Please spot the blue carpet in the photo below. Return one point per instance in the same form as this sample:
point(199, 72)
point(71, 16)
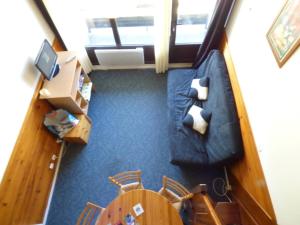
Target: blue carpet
point(129, 132)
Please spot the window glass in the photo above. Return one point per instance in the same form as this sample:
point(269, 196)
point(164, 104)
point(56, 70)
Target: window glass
point(136, 30)
point(134, 20)
point(193, 18)
point(100, 32)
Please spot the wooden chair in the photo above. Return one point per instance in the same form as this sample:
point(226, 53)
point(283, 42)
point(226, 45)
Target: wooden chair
point(90, 214)
point(174, 192)
point(128, 180)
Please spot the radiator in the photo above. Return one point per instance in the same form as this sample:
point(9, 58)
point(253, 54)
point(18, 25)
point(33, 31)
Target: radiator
point(120, 57)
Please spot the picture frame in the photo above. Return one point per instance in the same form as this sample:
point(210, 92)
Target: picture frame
point(284, 34)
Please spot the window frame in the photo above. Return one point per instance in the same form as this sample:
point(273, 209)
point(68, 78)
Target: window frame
point(178, 53)
point(148, 49)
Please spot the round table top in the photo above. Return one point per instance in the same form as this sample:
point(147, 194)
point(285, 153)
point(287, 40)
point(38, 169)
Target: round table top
point(157, 209)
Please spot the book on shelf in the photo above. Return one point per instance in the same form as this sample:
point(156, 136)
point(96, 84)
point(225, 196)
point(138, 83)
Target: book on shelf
point(86, 90)
point(81, 81)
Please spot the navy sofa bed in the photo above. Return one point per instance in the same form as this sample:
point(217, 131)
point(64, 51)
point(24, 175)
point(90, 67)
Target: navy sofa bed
point(222, 142)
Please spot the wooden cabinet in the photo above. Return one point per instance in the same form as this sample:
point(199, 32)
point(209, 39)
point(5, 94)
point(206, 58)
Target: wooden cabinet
point(63, 91)
point(80, 134)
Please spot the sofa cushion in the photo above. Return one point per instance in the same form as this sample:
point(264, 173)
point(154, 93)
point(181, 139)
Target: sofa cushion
point(197, 118)
point(199, 88)
point(223, 141)
point(186, 146)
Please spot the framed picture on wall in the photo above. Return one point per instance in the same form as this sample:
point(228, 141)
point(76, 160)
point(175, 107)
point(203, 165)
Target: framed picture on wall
point(284, 34)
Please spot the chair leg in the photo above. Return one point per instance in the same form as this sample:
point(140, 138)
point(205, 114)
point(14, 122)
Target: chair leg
point(186, 205)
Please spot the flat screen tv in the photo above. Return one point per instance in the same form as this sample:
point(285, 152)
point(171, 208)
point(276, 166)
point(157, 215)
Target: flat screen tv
point(46, 61)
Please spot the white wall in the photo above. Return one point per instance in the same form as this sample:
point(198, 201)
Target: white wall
point(272, 99)
point(22, 32)
point(71, 26)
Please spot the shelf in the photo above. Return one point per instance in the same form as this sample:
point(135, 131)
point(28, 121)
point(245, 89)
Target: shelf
point(75, 86)
point(62, 84)
point(86, 78)
point(63, 90)
point(78, 98)
point(84, 105)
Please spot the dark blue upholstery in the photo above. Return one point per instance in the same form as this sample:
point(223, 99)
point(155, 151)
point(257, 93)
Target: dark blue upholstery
point(222, 142)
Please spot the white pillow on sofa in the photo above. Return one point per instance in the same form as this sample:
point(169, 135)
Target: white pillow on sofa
point(199, 88)
point(197, 118)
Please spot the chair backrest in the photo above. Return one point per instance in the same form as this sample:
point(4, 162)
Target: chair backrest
point(126, 177)
point(89, 214)
point(176, 188)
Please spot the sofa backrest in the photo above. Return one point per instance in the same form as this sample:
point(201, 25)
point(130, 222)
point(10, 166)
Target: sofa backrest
point(223, 138)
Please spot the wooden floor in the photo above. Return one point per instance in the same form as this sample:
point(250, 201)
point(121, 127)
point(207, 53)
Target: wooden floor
point(247, 176)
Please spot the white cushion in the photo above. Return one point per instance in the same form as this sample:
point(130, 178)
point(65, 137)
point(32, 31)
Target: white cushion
point(197, 118)
point(199, 88)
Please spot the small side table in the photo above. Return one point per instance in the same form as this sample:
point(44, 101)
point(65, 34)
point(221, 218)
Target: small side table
point(80, 134)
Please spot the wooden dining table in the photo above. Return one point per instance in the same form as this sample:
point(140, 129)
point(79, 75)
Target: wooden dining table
point(157, 209)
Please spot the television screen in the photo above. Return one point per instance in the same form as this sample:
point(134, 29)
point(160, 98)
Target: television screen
point(46, 60)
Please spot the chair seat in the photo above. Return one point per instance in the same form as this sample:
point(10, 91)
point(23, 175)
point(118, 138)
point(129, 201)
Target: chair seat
point(172, 197)
point(177, 206)
point(128, 180)
point(131, 186)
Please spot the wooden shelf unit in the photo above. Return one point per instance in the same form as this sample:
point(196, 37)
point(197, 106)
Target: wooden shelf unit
point(63, 90)
point(80, 134)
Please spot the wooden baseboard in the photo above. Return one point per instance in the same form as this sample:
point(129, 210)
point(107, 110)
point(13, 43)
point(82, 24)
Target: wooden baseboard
point(247, 174)
point(62, 149)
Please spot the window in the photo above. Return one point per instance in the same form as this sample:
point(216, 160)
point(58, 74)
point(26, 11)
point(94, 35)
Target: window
point(129, 24)
point(136, 30)
point(193, 18)
point(100, 32)
point(119, 23)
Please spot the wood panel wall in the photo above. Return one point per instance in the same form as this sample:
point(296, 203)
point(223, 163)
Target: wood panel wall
point(201, 208)
point(27, 180)
point(247, 177)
